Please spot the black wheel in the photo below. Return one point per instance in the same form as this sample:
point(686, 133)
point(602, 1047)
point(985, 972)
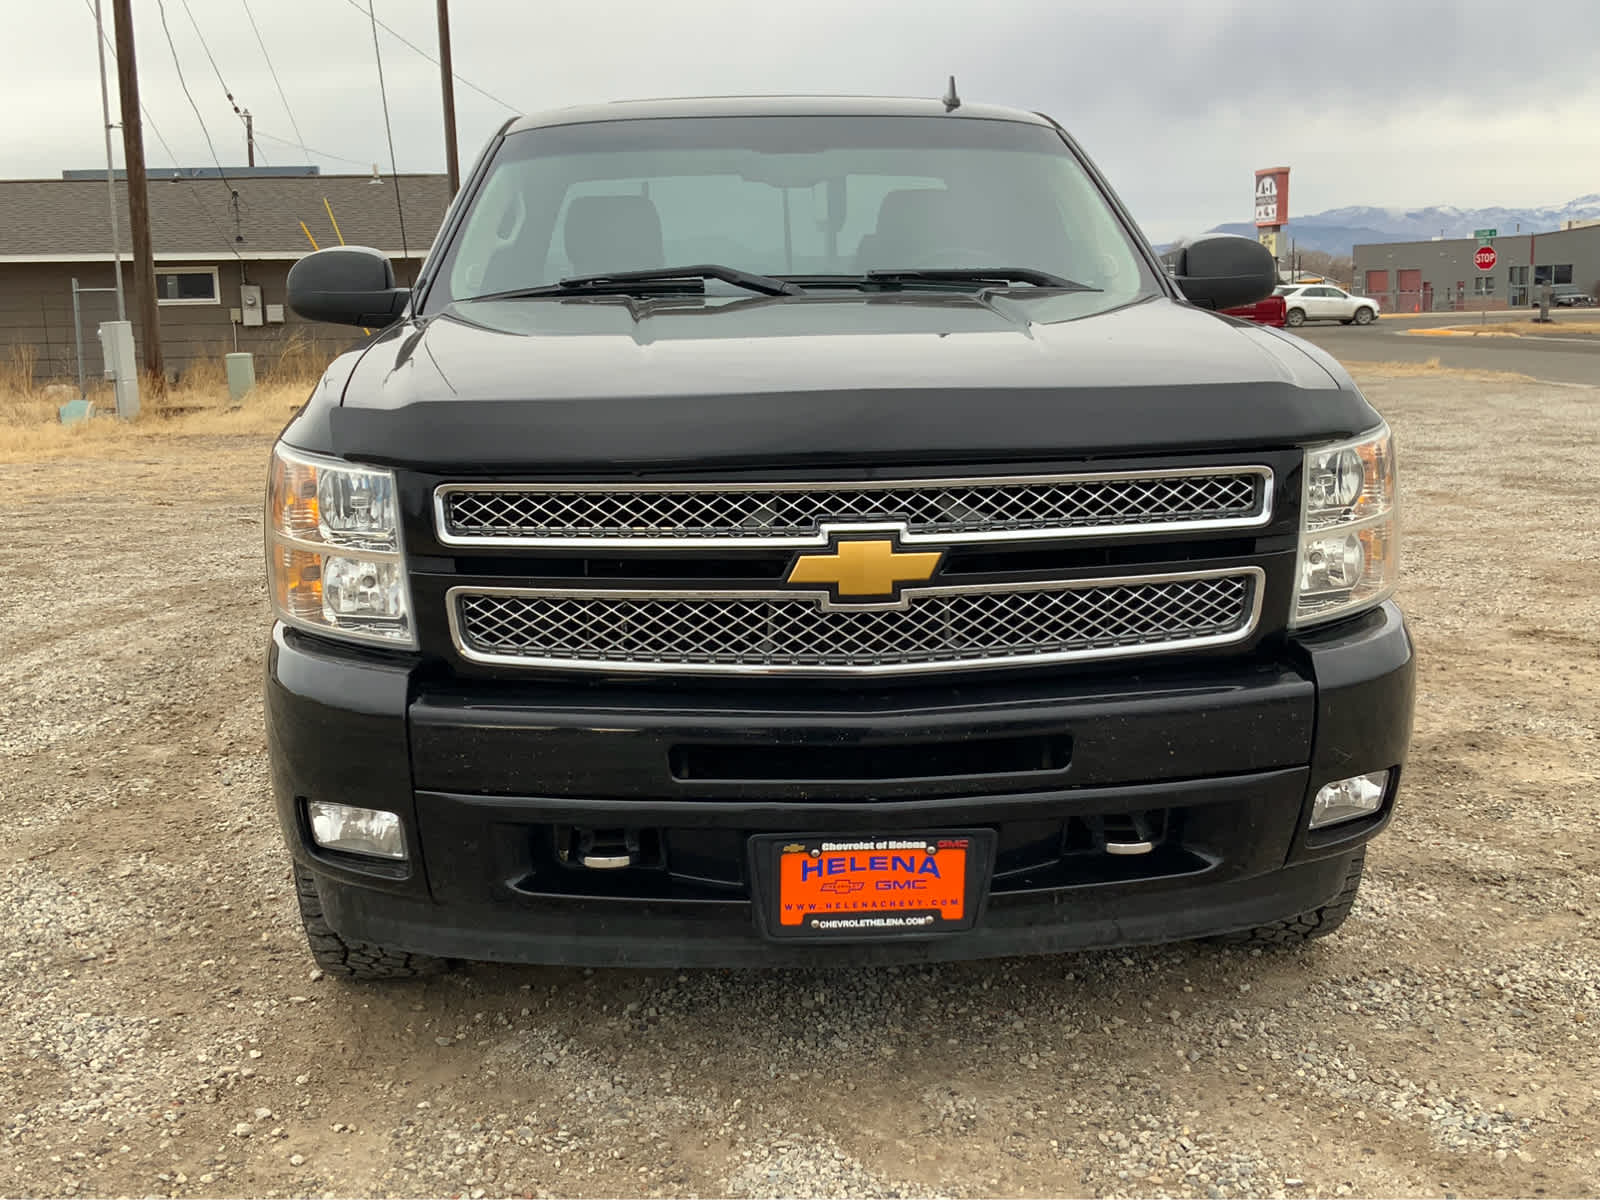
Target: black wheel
point(1295, 317)
point(1306, 926)
point(1364, 316)
point(353, 960)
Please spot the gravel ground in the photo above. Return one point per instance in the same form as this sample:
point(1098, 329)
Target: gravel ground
point(166, 1035)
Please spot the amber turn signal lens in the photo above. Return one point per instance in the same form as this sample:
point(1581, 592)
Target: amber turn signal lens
point(334, 562)
point(297, 581)
point(292, 497)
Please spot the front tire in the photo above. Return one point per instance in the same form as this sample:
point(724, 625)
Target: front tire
point(1295, 317)
point(1365, 316)
point(1307, 926)
point(353, 960)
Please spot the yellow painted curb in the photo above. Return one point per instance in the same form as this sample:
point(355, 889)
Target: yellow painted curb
point(1490, 332)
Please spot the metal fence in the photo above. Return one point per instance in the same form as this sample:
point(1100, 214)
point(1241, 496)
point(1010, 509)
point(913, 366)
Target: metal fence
point(1467, 300)
point(1441, 300)
point(50, 334)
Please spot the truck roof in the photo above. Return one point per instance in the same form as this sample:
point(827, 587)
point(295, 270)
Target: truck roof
point(768, 106)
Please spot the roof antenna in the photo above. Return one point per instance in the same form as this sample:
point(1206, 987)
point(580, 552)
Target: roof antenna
point(950, 99)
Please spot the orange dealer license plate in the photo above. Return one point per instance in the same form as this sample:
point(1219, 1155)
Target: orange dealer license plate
point(847, 887)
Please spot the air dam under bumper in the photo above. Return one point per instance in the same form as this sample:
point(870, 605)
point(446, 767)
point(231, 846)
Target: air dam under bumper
point(494, 784)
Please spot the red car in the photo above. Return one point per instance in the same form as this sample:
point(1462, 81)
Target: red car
point(1271, 311)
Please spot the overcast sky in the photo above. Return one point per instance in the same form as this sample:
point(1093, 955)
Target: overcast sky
point(1389, 102)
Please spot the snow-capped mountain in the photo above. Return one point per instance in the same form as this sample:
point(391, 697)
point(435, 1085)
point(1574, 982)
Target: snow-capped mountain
point(1338, 229)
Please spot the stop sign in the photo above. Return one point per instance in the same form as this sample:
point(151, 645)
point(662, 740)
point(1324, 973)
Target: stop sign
point(1485, 258)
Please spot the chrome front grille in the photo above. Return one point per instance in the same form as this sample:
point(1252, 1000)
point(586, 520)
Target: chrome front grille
point(941, 510)
point(930, 629)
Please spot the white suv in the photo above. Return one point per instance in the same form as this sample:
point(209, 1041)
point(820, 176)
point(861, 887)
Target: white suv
point(1324, 302)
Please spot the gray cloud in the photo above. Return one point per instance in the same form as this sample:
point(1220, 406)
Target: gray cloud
point(1425, 101)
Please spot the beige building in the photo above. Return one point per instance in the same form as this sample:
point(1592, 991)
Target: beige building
point(223, 249)
point(1442, 275)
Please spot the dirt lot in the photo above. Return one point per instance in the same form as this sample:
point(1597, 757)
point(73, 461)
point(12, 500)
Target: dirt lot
point(164, 1032)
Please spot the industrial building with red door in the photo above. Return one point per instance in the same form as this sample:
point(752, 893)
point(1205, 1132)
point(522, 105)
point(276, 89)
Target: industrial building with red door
point(1443, 275)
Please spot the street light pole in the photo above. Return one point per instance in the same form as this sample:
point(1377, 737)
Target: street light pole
point(447, 84)
point(111, 173)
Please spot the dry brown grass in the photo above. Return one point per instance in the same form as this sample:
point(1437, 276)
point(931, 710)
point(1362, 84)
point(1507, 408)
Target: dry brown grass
point(1431, 368)
point(30, 429)
point(198, 406)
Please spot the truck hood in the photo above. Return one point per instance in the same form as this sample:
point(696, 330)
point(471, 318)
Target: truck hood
point(614, 383)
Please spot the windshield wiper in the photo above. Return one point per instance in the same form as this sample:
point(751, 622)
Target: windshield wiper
point(767, 285)
point(657, 279)
point(976, 276)
point(980, 275)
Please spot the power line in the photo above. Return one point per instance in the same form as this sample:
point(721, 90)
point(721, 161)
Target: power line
point(170, 152)
point(394, 168)
point(112, 51)
point(161, 6)
point(189, 191)
point(309, 151)
point(293, 124)
point(355, 4)
point(299, 138)
point(226, 90)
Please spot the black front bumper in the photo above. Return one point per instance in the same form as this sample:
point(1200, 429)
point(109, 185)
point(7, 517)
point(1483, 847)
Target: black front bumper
point(493, 783)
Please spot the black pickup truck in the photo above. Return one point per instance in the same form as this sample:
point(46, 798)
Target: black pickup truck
point(818, 530)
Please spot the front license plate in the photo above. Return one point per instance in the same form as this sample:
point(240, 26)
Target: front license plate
point(855, 887)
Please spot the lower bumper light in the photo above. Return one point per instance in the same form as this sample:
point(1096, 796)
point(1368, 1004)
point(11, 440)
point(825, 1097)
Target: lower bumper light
point(369, 831)
point(1347, 799)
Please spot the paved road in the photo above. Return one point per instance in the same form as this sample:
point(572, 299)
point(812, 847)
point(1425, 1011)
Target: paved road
point(1574, 360)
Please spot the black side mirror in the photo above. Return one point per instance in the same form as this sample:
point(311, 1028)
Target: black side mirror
point(346, 285)
point(1223, 270)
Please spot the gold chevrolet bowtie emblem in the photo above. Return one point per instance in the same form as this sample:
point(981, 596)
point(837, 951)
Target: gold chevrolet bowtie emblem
point(865, 568)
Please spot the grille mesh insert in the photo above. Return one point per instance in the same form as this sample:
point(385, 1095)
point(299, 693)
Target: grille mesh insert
point(940, 508)
point(941, 629)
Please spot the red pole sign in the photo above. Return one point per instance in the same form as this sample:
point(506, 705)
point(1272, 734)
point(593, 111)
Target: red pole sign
point(1272, 197)
point(1485, 258)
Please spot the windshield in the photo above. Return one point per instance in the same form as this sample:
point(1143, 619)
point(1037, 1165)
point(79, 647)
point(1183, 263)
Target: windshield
point(787, 196)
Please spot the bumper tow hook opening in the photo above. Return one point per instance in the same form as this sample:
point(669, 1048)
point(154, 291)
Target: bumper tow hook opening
point(1125, 835)
point(608, 849)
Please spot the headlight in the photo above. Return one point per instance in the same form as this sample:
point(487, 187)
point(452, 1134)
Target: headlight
point(1349, 529)
point(334, 561)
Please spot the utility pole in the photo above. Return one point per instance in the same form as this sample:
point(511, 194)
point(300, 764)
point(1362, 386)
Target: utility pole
point(111, 173)
point(250, 137)
point(447, 83)
point(144, 267)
